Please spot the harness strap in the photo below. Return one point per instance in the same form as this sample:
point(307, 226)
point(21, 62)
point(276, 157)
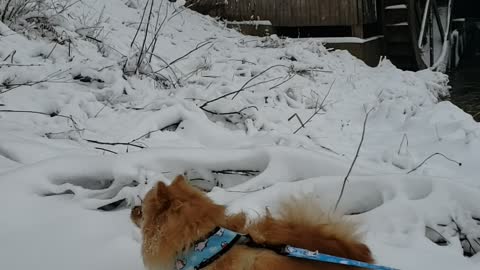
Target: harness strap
point(320, 257)
point(224, 250)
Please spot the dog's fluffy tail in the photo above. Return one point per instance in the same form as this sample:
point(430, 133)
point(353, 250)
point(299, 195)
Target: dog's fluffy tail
point(302, 224)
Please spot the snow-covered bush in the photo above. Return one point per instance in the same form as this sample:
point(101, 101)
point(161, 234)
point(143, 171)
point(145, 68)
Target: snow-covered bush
point(13, 10)
point(38, 15)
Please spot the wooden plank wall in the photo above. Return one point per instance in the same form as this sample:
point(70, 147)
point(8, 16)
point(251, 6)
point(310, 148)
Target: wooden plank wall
point(294, 12)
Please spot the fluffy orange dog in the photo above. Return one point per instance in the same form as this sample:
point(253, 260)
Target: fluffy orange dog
point(172, 218)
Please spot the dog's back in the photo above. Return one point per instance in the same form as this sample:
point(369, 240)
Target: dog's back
point(301, 224)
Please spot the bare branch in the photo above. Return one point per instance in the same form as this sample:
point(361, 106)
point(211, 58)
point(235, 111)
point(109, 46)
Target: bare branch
point(139, 25)
point(54, 114)
point(115, 143)
point(317, 110)
point(153, 131)
point(404, 138)
point(199, 46)
point(106, 150)
point(230, 113)
point(256, 76)
point(241, 88)
point(142, 50)
point(354, 159)
point(431, 156)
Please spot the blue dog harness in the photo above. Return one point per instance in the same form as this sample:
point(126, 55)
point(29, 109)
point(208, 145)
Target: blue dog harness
point(220, 240)
point(208, 250)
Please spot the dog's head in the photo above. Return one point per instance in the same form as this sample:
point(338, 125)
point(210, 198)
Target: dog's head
point(178, 201)
point(172, 218)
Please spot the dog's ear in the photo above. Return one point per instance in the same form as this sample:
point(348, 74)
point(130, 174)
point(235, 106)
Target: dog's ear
point(161, 190)
point(163, 197)
point(179, 181)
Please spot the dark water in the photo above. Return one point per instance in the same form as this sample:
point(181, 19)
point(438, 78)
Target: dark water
point(465, 79)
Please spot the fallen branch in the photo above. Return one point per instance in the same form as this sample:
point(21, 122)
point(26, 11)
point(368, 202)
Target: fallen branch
point(21, 65)
point(354, 159)
point(238, 172)
point(230, 113)
point(48, 79)
point(431, 156)
point(153, 131)
point(106, 150)
point(54, 114)
point(115, 143)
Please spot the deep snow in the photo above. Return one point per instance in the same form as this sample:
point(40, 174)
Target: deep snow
point(54, 177)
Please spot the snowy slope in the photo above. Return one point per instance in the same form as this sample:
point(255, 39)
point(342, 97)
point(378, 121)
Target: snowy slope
point(58, 168)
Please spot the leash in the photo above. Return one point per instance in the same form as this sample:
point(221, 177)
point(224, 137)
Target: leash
point(220, 240)
point(300, 253)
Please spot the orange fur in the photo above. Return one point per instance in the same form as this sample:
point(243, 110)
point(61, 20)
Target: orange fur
point(173, 217)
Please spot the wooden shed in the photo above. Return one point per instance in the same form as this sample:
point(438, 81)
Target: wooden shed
point(294, 13)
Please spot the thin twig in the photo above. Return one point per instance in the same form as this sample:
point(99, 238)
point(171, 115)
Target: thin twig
point(42, 113)
point(106, 150)
point(291, 76)
point(139, 25)
point(241, 88)
point(242, 60)
point(199, 46)
point(431, 156)
point(254, 77)
point(354, 159)
point(153, 43)
point(115, 143)
point(169, 66)
point(230, 113)
point(238, 172)
point(105, 105)
point(404, 138)
point(142, 52)
point(50, 53)
point(21, 65)
point(153, 131)
point(317, 110)
point(295, 115)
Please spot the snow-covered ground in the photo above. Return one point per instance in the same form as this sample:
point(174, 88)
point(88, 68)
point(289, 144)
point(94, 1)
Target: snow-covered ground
point(58, 175)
